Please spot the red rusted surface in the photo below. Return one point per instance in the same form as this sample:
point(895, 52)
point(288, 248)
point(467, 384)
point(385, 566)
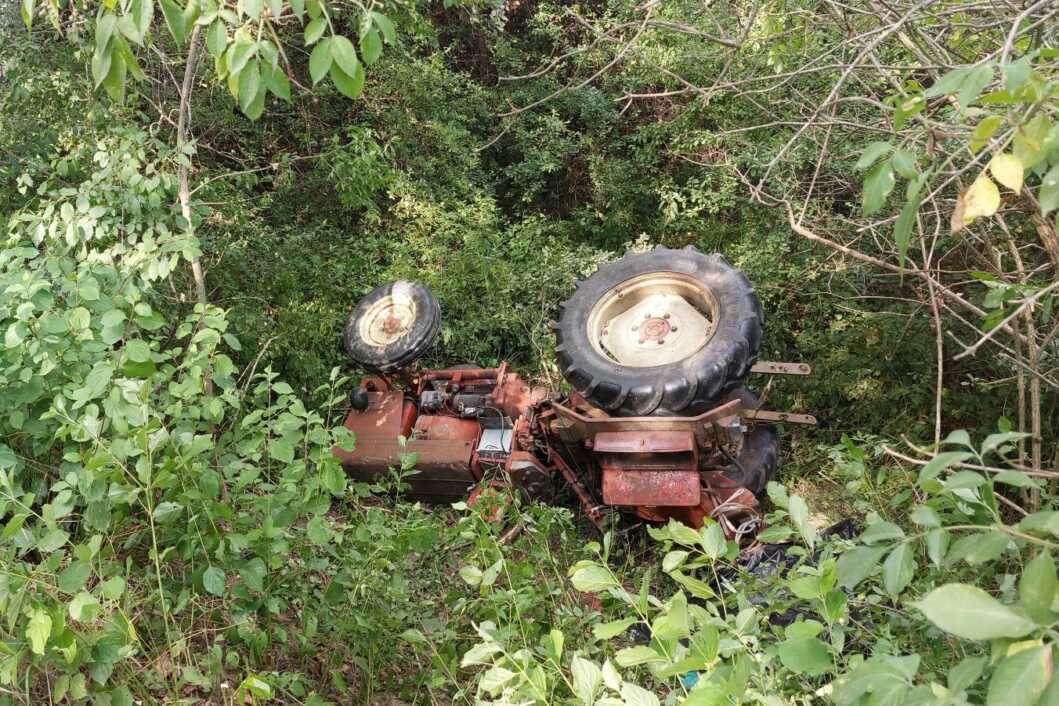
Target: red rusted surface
point(643, 487)
point(662, 442)
point(435, 427)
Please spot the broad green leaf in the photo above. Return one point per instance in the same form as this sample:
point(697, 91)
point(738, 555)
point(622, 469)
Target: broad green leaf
point(105, 30)
point(1007, 169)
point(345, 56)
point(1021, 677)
point(137, 351)
point(949, 83)
point(587, 678)
point(995, 441)
point(349, 86)
point(872, 153)
point(249, 86)
point(971, 613)
point(213, 580)
point(605, 631)
point(253, 572)
point(877, 187)
point(1037, 588)
point(101, 61)
point(983, 131)
point(370, 46)
point(174, 20)
point(978, 548)
point(385, 26)
point(82, 607)
point(925, 516)
point(252, 8)
point(640, 654)
point(881, 531)
point(858, 563)
point(965, 673)
point(591, 578)
point(114, 81)
point(217, 38)
point(239, 54)
point(74, 577)
point(1017, 73)
point(939, 463)
point(38, 630)
point(25, 11)
point(142, 12)
point(904, 163)
point(971, 87)
point(632, 695)
point(314, 30)
point(494, 679)
point(899, 568)
point(673, 560)
point(1049, 193)
point(799, 512)
point(806, 655)
point(320, 60)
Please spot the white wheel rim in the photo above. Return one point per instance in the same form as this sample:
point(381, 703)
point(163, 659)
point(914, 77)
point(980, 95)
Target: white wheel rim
point(387, 320)
point(652, 319)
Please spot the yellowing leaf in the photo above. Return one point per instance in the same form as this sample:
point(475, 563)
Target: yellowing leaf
point(982, 199)
point(1007, 169)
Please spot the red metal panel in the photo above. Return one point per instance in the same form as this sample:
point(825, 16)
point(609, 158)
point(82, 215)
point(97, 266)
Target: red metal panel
point(642, 487)
point(644, 442)
point(442, 428)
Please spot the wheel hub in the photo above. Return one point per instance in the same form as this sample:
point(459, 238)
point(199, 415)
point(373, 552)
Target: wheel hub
point(388, 320)
point(654, 319)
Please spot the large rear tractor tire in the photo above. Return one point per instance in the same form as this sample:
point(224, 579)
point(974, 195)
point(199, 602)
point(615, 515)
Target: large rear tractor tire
point(665, 332)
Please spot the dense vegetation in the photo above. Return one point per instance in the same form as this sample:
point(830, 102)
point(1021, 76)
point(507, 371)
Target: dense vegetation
point(193, 195)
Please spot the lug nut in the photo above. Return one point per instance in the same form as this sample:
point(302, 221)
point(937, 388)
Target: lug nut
point(642, 339)
point(673, 328)
point(665, 315)
point(661, 341)
point(636, 327)
point(647, 316)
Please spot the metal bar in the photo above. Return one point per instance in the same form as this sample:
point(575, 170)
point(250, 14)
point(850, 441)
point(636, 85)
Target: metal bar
point(768, 366)
point(587, 501)
point(764, 415)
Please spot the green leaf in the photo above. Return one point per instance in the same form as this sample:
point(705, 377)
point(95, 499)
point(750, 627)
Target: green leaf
point(137, 351)
point(385, 26)
point(872, 153)
point(632, 695)
point(249, 87)
point(213, 580)
point(978, 548)
point(605, 631)
point(881, 531)
point(345, 55)
point(587, 678)
point(973, 84)
point(799, 512)
point(1021, 677)
point(971, 613)
point(320, 60)
point(38, 630)
point(904, 163)
point(101, 61)
point(253, 572)
point(74, 577)
point(877, 187)
point(965, 673)
point(350, 86)
point(105, 30)
point(1017, 73)
point(251, 8)
point(590, 578)
point(903, 229)
point(142, 12)
point(52, 541)
point(939, 463)
point(314, 30)
point(371, 46)
point(217, 38)
point(174, 20)
point(640, 654)
point(899, 568)
point(114, 81)
point(1049, 193)
point(857, 564)
point(949, 83)
point(806, 655)
point(25, 10)
point(1037, 588)
point(82, 607)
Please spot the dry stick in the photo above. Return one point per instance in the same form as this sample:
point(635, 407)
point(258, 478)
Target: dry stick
point(1025, 304)
point(1033, 354)
point(939, 338)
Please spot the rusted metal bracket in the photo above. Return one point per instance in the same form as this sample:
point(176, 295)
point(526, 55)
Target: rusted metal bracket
point(768, 366)
point(764, 415)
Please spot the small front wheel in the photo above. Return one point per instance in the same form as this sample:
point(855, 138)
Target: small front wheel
point(393, 325)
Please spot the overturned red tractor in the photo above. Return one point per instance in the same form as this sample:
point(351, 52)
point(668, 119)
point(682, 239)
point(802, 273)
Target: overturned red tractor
point(655, 347)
